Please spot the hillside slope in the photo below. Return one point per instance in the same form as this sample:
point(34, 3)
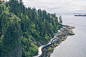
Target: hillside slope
point(37, 26)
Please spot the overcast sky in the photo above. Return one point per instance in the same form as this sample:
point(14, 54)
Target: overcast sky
point(58, 6)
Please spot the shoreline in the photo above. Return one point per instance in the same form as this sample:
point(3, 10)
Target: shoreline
point(63, 34)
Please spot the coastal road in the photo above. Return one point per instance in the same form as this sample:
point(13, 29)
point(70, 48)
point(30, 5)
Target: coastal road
point(50, 42)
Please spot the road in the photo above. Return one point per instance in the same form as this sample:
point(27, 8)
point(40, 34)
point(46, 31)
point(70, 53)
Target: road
point(50, 42)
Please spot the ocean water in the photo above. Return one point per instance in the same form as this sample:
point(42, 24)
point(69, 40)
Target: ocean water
point(73, 46)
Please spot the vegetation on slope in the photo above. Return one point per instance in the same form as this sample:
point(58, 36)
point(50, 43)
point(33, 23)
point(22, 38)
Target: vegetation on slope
point(36, 26)
point(9, 31)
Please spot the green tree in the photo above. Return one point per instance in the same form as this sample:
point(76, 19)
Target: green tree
point(36, 26)
point(60, 19)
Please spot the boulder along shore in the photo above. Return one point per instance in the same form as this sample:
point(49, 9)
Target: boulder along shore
point(61, 36)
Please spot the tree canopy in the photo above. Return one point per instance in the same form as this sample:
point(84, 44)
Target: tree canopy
point(36, 26)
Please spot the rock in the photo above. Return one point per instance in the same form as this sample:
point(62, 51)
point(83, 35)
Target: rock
point(39, 44)
point(62, 35)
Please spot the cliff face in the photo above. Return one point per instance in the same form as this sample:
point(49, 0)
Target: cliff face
point(17, 52)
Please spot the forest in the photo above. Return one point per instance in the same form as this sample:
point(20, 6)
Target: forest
point(37, 26)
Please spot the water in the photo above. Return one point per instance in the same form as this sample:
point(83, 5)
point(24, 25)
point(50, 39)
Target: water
point(73, 46)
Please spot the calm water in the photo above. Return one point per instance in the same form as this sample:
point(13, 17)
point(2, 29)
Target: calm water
point(73, 46)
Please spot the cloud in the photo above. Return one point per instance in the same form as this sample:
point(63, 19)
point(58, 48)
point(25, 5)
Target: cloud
point(57, 5)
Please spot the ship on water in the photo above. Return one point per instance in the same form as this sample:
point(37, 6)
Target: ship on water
point(80, 15)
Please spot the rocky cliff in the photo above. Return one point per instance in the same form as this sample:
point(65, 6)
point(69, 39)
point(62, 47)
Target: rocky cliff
point(17, 52)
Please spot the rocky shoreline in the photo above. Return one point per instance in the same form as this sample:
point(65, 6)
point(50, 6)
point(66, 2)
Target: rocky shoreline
point(62, 35)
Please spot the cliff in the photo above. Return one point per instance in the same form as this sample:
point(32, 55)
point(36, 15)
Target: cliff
point(16, 52)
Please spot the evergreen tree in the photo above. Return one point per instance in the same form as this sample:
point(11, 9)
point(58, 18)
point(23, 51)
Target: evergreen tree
point(36, 26)
point(60, 19)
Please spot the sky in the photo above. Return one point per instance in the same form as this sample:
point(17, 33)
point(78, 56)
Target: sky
point(58, 6)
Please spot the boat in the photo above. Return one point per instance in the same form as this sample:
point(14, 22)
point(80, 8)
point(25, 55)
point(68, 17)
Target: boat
point(80, 15)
